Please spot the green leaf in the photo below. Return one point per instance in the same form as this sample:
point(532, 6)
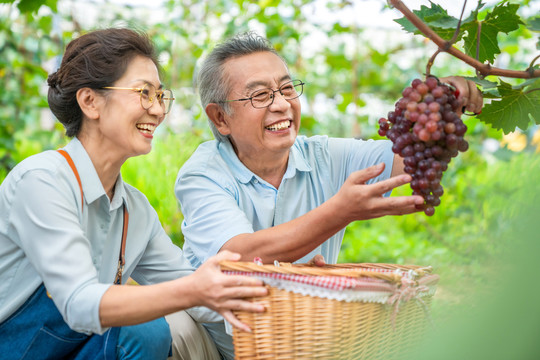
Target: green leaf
point(29, 6)
point(338, 28)
point(32, 6)
point(346, 100)
point(45, 23)
point(486, 84)
point(52, 4)
point(379, 58)
point(534, 24)
point(515, 109)
point(491, 94)
point(407, 25)
point(534, 82)
point(504, 19)
point(433, 16)
point(437, 19)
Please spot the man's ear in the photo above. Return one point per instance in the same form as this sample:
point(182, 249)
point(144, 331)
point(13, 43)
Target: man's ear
point(216, 114)
point(88, 102)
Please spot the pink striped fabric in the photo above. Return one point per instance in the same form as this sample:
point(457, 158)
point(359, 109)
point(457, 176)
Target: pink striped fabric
point(338, 283)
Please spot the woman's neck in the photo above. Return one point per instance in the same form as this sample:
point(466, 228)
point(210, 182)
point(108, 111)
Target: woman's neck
point(107, 167)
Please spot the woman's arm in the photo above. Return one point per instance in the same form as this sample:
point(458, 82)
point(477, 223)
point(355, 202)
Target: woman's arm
point(207, 286)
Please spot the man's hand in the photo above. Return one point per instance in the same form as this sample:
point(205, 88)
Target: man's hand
point(468, 94)
point(360, 201)
point(317, 260)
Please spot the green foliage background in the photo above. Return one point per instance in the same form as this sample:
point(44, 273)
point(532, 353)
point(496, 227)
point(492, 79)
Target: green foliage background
point(348, 73)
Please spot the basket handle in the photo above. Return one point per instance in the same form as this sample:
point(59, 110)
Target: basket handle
point(347, 270)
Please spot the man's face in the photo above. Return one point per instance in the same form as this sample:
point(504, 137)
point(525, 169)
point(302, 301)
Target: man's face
point(265, 133)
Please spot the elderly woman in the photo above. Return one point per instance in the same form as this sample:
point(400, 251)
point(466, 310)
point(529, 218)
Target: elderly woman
point(72, 231)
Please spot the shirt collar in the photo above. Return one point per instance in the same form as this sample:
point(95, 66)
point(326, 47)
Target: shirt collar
point(91, 184)
point(297, 162)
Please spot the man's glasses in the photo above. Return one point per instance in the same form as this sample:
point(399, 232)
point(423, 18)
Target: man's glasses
point(148, 95)
point(265, 97)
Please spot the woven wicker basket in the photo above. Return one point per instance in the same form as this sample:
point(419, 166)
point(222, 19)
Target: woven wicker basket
point(297, 325)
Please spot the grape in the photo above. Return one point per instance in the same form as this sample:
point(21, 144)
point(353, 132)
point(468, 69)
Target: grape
point(406, 92)
point(427, 132)
point(432, 82)
point(434, 107)
point(429, 210)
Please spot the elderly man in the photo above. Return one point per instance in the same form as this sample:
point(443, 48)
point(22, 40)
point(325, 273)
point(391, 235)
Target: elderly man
point(261, 190)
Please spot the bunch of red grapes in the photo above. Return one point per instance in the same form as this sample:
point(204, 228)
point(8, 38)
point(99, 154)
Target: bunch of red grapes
point(427, 133)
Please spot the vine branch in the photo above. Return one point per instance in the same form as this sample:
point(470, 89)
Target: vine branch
point(484, 69)
point(448, 43)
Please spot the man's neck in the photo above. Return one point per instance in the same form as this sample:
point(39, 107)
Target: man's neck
point(270, 170)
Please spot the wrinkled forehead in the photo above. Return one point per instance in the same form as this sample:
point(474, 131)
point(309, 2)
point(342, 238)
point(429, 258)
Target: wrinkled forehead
point(250, 72)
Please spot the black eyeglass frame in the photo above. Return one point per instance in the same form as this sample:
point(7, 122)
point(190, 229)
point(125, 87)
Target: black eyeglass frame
point(295, 83)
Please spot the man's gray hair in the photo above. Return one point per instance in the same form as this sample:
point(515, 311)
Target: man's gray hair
point(213, 84)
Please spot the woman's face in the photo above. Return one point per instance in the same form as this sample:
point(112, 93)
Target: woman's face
point(125, 127)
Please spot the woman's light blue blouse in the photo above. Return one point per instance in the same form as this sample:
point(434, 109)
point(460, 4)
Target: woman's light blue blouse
point(46, 237)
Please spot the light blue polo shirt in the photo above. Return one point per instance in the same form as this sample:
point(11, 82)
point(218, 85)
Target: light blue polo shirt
point(221, 198)
point(46, 237)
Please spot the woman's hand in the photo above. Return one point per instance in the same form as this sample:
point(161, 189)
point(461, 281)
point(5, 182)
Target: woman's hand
point(224, 293)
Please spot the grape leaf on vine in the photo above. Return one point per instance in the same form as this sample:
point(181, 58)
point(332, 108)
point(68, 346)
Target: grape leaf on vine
point(486, 84)
point(503, 18)
point(437, 19)
point(489, 88)
point(521, 106)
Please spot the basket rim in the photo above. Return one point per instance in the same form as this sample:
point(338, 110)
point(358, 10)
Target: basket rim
point(389, 272)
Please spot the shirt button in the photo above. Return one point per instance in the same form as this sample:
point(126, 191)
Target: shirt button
point(256, 181)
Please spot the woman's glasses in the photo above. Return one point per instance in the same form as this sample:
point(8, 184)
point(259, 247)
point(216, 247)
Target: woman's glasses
point(149, 94)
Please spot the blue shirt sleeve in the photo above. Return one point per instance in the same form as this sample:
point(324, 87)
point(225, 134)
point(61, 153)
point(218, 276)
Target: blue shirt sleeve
point(211, 212)
point(47, 225)
point(349, 155)
point(161, 260)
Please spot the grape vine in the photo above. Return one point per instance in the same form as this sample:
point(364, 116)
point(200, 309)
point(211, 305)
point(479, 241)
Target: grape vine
point(427, 132)
point(511, 105)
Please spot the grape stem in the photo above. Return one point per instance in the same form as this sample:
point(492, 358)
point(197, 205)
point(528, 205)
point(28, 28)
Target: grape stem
point(446, 46)
point(531, 66)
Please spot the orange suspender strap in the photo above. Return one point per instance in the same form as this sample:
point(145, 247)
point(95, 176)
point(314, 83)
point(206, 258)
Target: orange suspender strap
point(122, 256)
point(74, 168)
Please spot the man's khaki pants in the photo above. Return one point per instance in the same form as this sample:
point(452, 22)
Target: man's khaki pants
point(190, 340)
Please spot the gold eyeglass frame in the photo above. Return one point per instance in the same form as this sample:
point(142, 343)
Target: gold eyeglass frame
point(159, 95)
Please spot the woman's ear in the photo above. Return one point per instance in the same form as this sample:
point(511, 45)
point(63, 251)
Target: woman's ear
point(88, 102)
point(216, 114)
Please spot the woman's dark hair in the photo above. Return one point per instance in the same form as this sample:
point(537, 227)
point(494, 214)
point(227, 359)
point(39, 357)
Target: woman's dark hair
point(94, 60)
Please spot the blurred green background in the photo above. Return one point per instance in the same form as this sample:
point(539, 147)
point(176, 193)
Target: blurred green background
point(355, 64)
